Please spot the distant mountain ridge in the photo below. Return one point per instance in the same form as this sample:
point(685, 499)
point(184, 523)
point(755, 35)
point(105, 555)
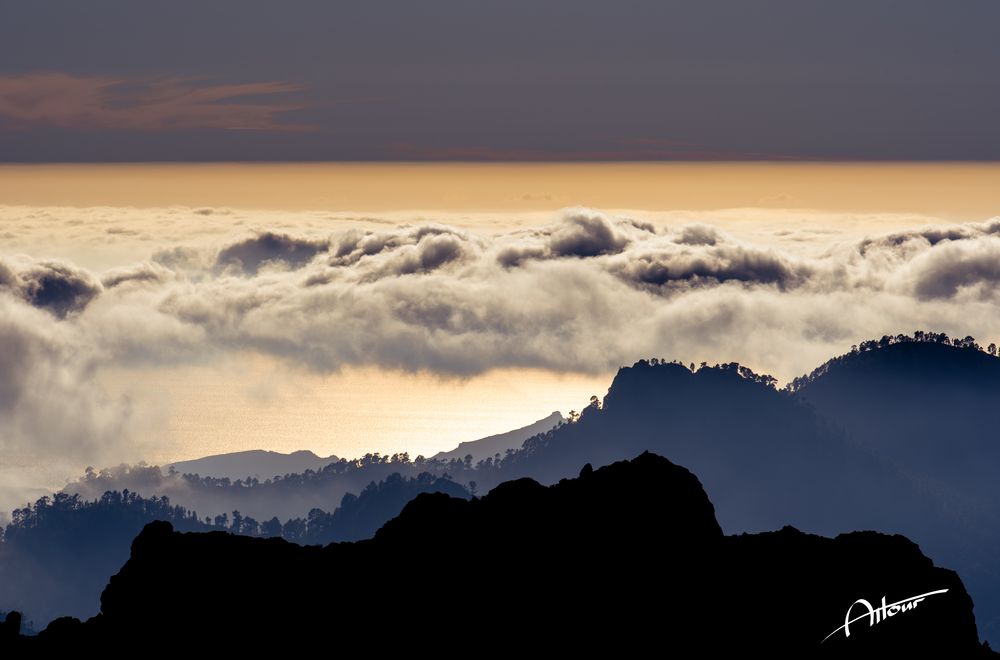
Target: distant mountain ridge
point(263, 464)
point(903, 399)
point(625, 558)
point(500, 443)
point(57, 555)
point(730, 427)
point(257, 463)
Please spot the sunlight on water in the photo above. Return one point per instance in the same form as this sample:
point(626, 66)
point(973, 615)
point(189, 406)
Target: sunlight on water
point(255, 403)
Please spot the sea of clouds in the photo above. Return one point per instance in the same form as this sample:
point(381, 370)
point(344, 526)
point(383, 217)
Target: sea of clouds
point(584, 292)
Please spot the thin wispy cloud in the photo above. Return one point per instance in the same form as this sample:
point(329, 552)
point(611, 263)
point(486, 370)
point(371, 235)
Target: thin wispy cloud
point(145, 104)
point(642, 149)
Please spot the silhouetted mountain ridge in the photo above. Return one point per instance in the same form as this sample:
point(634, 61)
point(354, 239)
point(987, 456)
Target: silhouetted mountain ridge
point(57, 555)
point(896, 436)
point(927, 408)
point(734, 430)
point(258, 484)
point(625, 558)
point(904, 400)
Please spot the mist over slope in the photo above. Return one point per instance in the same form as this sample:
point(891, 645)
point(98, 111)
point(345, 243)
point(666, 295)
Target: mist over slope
point(257, 484)
point(57, 555)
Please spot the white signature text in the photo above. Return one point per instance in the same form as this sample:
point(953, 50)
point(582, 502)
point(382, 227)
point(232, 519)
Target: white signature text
point(881, 613)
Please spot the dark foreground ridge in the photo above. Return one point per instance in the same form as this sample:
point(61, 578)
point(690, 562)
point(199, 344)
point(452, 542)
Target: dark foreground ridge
point(625, 558)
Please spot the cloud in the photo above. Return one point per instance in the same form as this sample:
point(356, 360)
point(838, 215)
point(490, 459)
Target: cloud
point(142, 274)
point(58, 287)
point(964, 264)
point(432, 251)
point(145, 104)
point(698, 235)
point(712, 265)
point(584, 293)
point(584, 233)
point(8, 278)
point(52, 413)
point(929, 236)
point(587, 293)
point(641, 149)
point(580, 232)
point(182, 258)
point(266, 248)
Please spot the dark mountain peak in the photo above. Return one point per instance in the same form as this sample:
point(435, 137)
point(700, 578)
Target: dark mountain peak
point(902, 549)
point(647, 488)
point(925, 357)
point(645, 375)
point(651, 381)
point(925, 403)
point(151, 535)
point(512, 491)
point(853, 545)
point(625, 557)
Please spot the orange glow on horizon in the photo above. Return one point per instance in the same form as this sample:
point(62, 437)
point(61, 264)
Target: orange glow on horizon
point(957, 191)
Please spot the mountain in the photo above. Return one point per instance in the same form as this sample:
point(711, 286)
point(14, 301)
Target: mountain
point(499, 444)
point(284, 497)
point(623, 559)
point(57, 555)
point(896, 437)
point(928, 408)
point(360, 516)
point(254, 463)
point(266, 484)
point(765, 457)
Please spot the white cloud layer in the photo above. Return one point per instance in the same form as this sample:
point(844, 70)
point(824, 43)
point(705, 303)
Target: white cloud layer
point(586, 293)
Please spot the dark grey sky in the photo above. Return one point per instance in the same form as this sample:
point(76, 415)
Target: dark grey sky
point(456, 79)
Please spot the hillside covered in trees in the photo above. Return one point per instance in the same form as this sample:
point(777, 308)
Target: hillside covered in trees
point(58, 554)
point(285, 495)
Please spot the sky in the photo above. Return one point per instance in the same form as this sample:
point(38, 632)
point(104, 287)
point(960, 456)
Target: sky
point(390, 80)
point(243, 224)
